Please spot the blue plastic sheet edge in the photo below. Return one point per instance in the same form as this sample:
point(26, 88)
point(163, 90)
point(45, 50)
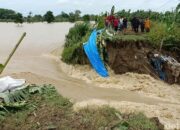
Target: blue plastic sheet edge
point(92, 53)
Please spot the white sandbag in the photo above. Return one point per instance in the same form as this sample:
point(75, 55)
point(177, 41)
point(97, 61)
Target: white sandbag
point(8, 83)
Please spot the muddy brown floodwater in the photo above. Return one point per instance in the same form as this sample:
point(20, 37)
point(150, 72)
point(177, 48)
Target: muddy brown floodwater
point(38, 61)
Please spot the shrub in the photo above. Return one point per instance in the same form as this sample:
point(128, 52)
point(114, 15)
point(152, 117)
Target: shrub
point(157, 33)
point(169, 34)
point(76, 34)
point(100, 22)
point(141, 122)
point(73, 52)
point(74, 55)
point(172, 41)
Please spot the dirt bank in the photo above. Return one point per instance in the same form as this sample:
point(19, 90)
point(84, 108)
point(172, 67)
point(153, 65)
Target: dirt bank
point(131, 56)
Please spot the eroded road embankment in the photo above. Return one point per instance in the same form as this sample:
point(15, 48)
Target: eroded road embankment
point(34, 62)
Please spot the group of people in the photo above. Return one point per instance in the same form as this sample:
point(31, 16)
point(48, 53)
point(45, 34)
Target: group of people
point(121, 23)
point(118, 23)
point(143, 24)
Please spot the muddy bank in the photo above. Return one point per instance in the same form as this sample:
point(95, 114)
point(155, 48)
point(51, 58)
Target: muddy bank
point(132, 56)
point(127, 56)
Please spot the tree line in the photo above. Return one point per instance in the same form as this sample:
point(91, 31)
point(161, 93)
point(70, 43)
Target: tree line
point(7, 15)
point(167, 17)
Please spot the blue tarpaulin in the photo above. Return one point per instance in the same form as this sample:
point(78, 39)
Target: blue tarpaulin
point(93, 55)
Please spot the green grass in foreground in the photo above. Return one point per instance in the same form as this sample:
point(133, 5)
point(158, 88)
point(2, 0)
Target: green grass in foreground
point(49, 110)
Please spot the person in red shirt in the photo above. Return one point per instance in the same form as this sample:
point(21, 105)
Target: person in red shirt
point(116, 23)
point(111, 18)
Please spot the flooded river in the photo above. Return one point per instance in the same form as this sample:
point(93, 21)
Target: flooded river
point(38, 61)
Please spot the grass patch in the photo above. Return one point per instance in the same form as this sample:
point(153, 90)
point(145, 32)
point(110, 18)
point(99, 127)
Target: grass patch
point(49, 110)
point(128, 38)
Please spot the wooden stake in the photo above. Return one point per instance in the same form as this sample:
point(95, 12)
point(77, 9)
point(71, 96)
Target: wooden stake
point(12, 53)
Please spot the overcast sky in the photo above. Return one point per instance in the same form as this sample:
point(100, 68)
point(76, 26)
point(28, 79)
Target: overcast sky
point(86, 6)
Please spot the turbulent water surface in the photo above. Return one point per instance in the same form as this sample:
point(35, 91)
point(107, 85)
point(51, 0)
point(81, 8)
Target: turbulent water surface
point(38, 61)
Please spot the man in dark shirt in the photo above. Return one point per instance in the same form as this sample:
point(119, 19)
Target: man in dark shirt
point(125, 24)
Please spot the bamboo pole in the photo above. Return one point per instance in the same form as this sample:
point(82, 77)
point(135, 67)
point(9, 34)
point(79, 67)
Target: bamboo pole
point(12, 53)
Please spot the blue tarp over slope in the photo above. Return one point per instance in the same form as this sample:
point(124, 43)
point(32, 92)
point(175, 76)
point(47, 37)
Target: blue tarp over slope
point(93, 55)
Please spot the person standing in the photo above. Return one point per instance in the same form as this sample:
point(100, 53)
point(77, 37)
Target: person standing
point(125, 24)
point(121, 23)
point(132, 23)
point(142, 25)
point(136, 24)
point(116, 23)
point(147, 25)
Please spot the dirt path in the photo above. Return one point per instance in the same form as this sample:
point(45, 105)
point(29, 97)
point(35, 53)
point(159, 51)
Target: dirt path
point(35, 62)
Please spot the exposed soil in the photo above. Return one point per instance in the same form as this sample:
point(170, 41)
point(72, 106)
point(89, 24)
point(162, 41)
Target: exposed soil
point(131, 56)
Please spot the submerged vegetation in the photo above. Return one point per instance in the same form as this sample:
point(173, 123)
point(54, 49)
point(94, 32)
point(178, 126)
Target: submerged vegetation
point(46, 109)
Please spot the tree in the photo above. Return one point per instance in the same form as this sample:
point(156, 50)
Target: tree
point(178, 14)
point(29, 17)
point(7, 15)
point(37, 18)
point(112, 10)
point(63, 17)
point(77, 14)
point(49, 17)
point(72, 17)
point(86, 18)
point(19, 18)
point(178, 8)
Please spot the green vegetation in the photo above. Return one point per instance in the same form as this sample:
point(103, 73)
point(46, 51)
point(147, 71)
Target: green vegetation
point(168, 16)
point(1, 67)
point(86, 18)
point(7, 15)
point(73, 52)
point(37, 18)
point(166, 35)
point(129, 38)
point(49, 17)
point(46, 109)
point(19, 18)
point(29, 17)
point(100, 21)
point(162, 35)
